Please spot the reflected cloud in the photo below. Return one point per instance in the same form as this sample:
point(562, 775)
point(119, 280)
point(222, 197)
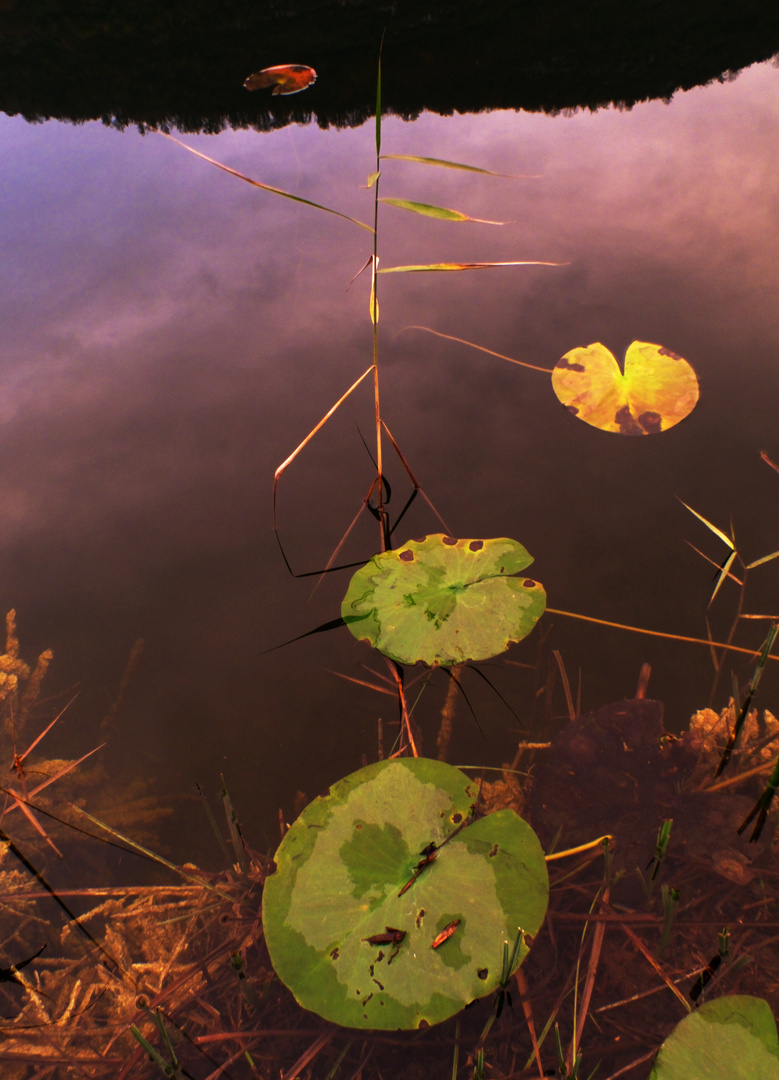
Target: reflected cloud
point(171, 335)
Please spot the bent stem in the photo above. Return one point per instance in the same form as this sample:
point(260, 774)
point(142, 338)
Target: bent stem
point(381, 514)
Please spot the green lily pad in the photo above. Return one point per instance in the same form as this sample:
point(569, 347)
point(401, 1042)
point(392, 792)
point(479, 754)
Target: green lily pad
point(390, 905)
point(444, 601)
point(733, 1037)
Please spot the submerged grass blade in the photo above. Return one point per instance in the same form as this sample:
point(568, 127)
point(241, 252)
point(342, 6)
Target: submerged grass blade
point(56, 776)
point(444, 164)
point(47, 729)
point(443, 213)
point(265, 187)
point(241, 859)
point(35, 823)
point(215, 827)
point(566, 684)
point(152, 854)
point(415, 269)
point(153, 1056)
point(12, 847)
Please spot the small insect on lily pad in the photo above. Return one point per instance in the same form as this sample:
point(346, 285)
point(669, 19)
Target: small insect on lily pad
point(444, 601)
point(733, 1036)
point(284, 78)
point(390, 903)
point(656, 391)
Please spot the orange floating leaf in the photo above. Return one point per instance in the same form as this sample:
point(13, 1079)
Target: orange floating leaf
point(284, 78)
point(656, 391)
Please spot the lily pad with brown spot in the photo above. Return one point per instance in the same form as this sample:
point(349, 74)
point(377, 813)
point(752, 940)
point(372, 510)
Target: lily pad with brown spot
point(444, 601)
point(656, 390)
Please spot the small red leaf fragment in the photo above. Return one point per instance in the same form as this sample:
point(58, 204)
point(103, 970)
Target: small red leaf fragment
point(284, 78)
point(445, 934)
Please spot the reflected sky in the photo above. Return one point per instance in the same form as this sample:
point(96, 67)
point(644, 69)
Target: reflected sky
point(170, 334)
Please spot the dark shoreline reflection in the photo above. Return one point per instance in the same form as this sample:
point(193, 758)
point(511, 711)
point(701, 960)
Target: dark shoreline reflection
point(171, 334)
point(183, 65)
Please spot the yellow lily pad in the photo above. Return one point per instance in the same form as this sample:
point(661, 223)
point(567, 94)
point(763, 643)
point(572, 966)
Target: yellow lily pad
point(656, 390)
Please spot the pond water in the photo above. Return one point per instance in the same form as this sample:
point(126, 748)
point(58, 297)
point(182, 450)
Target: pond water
point(171, 334)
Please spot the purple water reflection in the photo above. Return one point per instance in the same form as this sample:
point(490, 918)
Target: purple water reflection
point(170, 334)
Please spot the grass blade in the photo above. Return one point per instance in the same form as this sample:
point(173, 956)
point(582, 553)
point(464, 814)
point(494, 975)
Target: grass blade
point(440, 212)
point(374, 301)
point(713, 563)
point(265, 187)
point(708, 524)
point(465, 266)
point(766, 558)
point(311, 434)
point(658, 633)
point(444, 164)
point(481, 348)
point(724, 572)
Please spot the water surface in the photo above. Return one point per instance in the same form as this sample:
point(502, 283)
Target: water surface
point(170, 334)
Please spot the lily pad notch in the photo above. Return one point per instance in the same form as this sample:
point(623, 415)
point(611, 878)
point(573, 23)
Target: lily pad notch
point(444, 601)
point(655, 392)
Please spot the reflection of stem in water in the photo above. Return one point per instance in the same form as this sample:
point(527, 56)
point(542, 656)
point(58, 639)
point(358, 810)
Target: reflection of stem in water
point(447, 715)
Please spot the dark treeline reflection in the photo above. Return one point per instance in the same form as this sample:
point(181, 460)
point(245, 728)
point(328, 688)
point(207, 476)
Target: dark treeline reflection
point(183, 64)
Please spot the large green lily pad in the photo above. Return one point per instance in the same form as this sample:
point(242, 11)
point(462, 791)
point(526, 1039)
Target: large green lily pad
point(733, 1037)
point(444, 601)
point(354, 941)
